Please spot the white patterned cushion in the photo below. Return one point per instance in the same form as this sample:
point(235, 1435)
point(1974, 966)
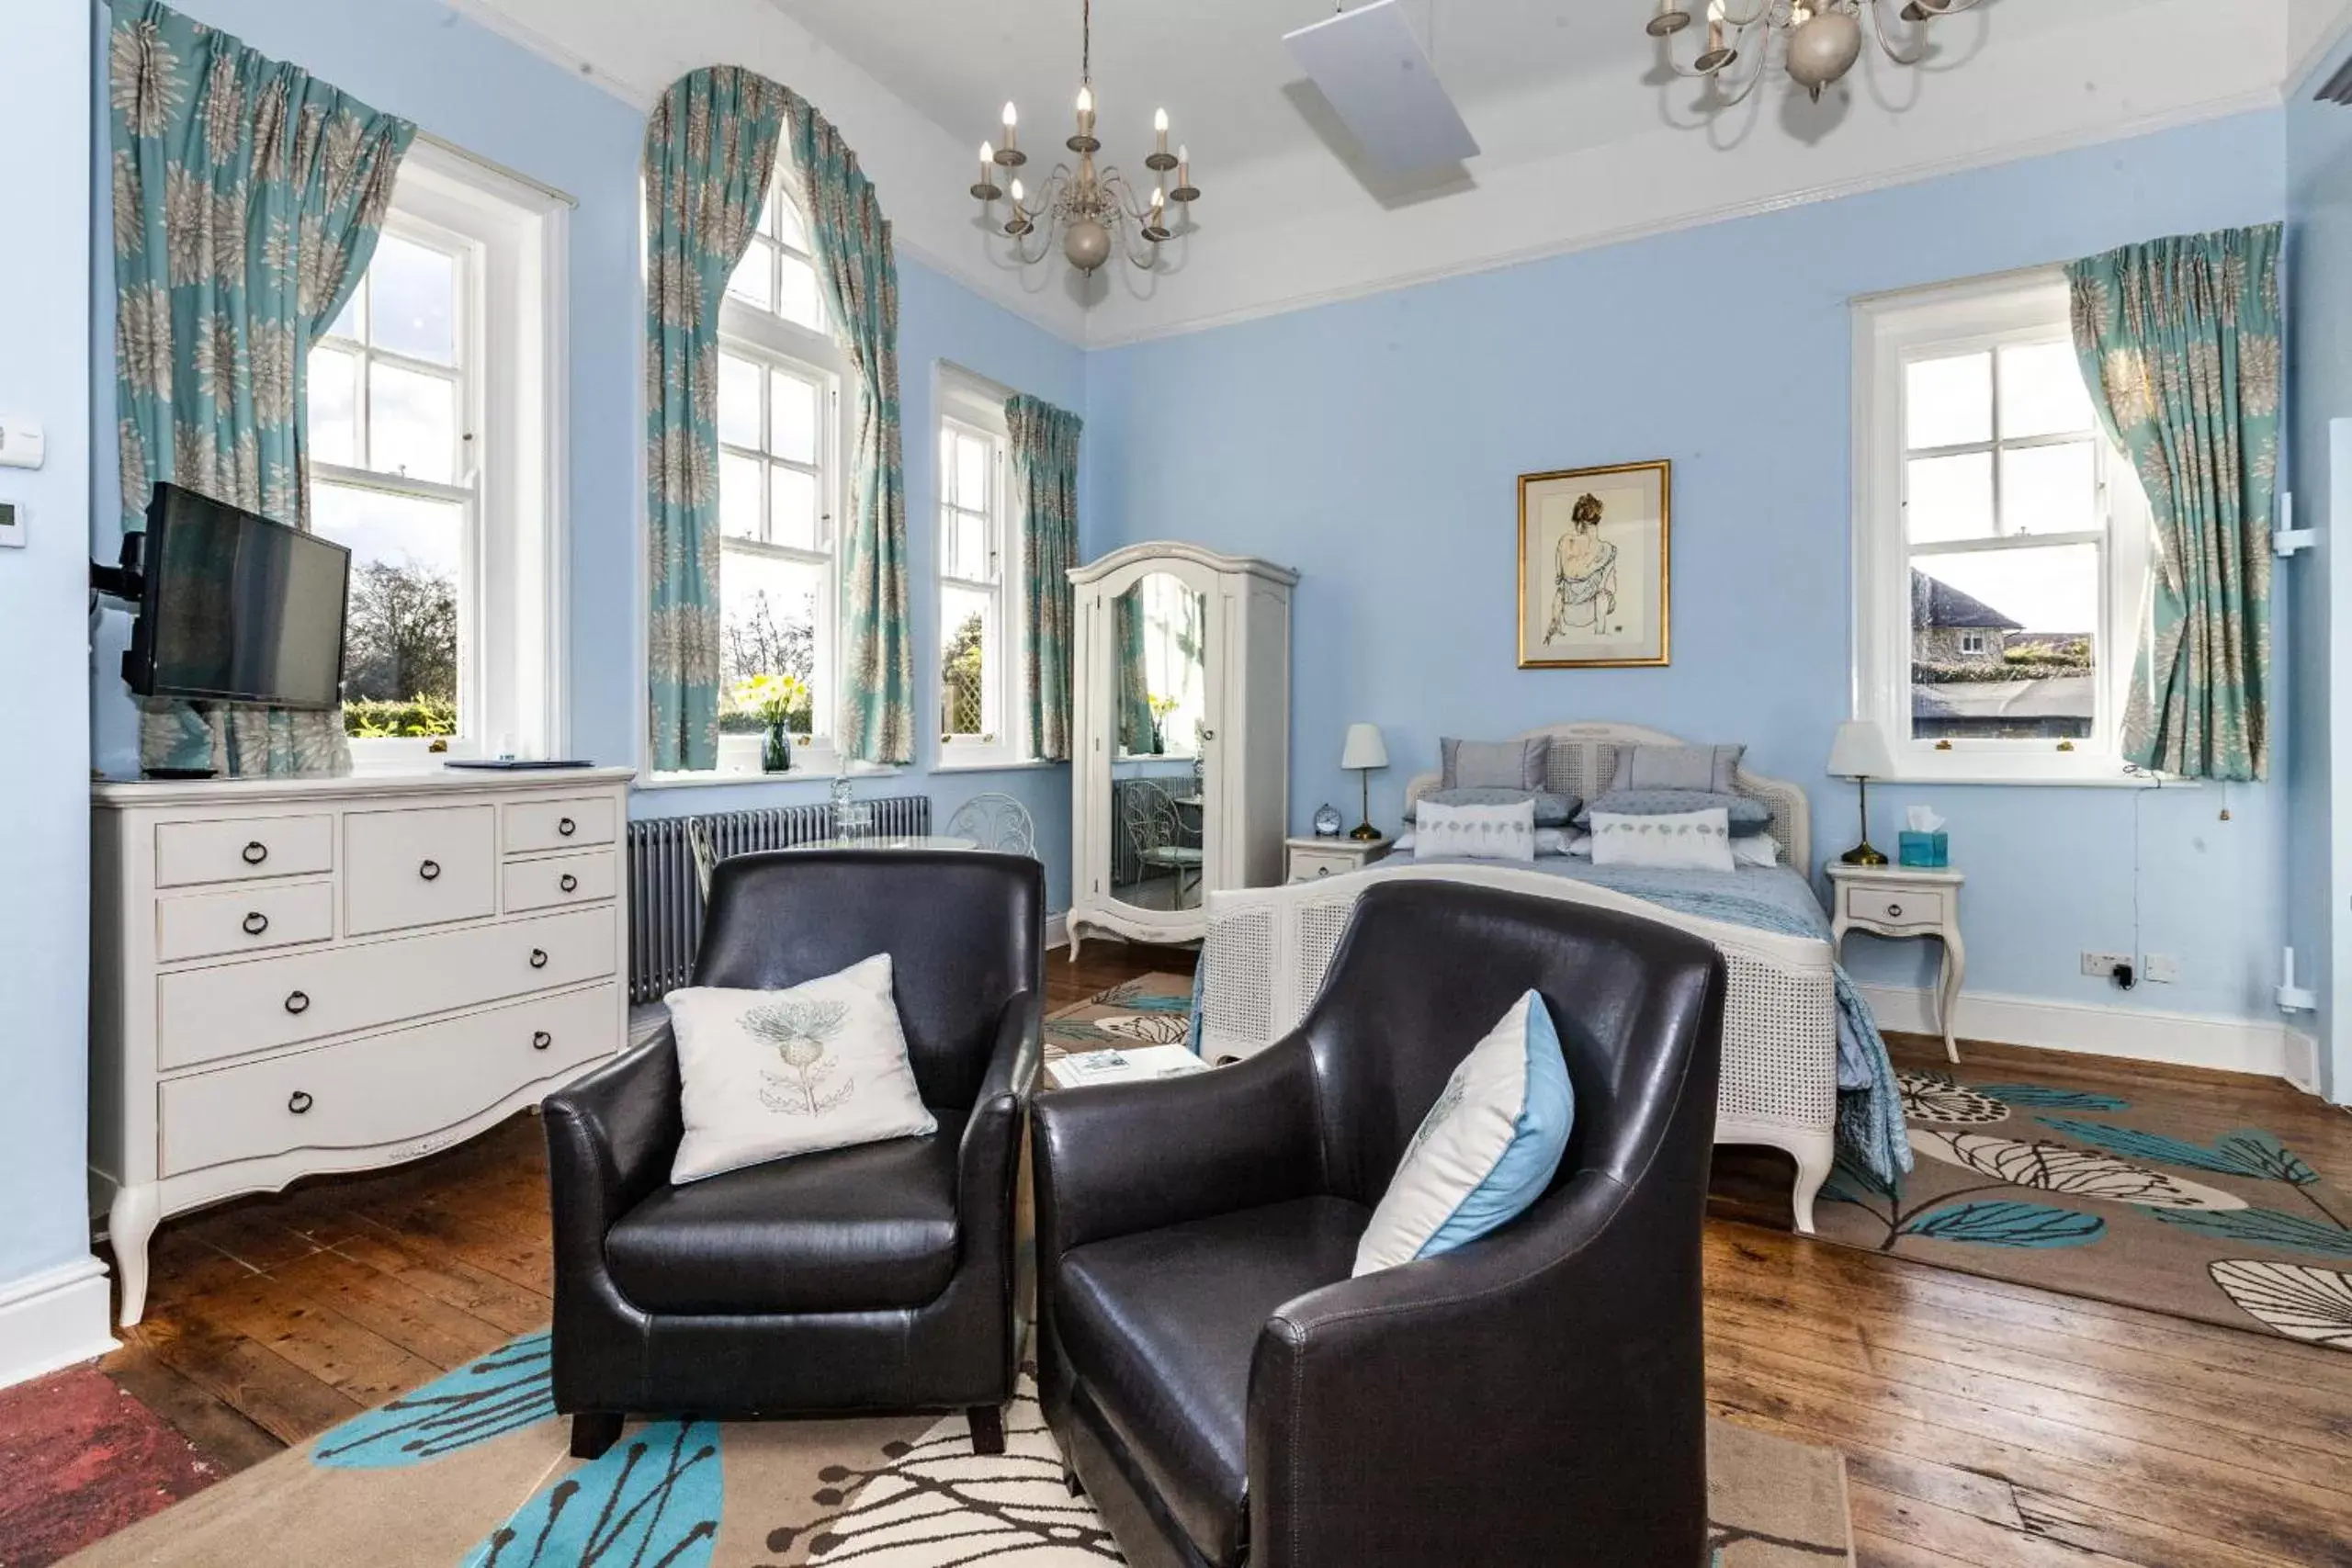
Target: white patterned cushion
point(1475, 832)
point(1487, 1148)
point(767, 1074)
point(1694, 840)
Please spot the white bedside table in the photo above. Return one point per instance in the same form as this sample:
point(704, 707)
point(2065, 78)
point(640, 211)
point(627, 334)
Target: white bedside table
point(1312, 860)
point(1905, 901)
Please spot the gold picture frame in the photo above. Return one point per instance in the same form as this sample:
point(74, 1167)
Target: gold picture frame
point(1600, 544)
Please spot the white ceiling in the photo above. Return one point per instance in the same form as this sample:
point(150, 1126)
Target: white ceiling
point(1585, 138)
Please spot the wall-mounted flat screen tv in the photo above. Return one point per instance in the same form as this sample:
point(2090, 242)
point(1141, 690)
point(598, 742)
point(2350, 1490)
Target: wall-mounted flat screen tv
point(237, 608)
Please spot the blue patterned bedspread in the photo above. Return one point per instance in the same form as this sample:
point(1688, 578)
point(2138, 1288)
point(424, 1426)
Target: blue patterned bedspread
point(1775, 898)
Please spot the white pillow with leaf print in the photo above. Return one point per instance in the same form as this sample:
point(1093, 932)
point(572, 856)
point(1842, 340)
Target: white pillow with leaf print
point(767, 1074)
point(1487, 1149)
point(1686, 840)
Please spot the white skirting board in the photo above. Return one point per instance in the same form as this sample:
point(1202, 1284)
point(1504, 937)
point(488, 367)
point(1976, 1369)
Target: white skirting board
point(53, 1319)
point(2187, 1040)
point(1058, 931)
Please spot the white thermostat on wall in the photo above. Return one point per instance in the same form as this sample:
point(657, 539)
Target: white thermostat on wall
point(12, 524)
point(22, 445)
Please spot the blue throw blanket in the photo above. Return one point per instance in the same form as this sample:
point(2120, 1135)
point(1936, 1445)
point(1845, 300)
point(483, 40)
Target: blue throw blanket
point(1870, 1101)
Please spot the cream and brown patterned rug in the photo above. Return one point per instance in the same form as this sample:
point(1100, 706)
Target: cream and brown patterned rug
point(472, 1472)
point(2160, 1201)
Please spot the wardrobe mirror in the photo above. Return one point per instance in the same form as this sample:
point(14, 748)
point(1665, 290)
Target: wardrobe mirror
point(1158, 806)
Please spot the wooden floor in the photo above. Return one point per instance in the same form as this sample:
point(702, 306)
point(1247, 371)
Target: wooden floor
point(1983, 1424)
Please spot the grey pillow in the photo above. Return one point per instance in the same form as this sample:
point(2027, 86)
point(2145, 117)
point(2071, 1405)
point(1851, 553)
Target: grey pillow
point(1551, 810)
point(1747, 817)
point(1714, 769)
point(1494, 765)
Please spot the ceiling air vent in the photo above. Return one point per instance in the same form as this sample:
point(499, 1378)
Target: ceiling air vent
point(1371, 66)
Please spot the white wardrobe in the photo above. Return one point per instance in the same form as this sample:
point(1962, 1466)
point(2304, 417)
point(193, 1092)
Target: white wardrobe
point(1181, 770)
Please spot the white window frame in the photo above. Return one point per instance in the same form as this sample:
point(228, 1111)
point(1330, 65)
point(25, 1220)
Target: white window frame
point(512, 239)
point(975, 407)
point(761, 335)
point(2030, 307)
point(1972, 642)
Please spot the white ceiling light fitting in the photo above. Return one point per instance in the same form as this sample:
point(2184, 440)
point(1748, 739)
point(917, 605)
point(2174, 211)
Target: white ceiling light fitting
point(1093, 210)
point(1820, 39)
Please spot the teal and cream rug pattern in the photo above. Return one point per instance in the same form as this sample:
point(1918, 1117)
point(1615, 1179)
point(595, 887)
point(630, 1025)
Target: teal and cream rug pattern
point(472, 1470)
point(2158, 1203)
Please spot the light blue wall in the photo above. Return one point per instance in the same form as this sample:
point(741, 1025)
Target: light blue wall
point(2319, 155)
point(461, 83)
point(44, 828)
point(1372, 444)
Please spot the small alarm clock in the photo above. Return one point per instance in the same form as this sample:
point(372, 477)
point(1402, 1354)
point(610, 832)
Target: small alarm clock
point(1326, 822)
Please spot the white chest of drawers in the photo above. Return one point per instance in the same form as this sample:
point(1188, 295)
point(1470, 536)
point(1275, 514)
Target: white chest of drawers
point(291, 977)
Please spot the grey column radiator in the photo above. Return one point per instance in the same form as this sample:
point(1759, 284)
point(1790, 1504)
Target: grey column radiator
point(665, 902)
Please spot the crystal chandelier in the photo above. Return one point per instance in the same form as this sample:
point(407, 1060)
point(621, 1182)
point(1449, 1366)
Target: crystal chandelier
point(1820, 39)
point(1093, 210)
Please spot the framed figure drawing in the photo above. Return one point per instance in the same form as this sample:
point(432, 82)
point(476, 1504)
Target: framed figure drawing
point(1594, 553)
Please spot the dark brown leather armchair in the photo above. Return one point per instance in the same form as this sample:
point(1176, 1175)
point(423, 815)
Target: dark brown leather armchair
point(1226, 1393)
point(870, 1278)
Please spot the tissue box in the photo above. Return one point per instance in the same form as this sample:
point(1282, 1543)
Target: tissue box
point(1928, 852)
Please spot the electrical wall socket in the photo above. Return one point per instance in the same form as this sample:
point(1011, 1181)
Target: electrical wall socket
point(2099, 966)
point(2160, 968)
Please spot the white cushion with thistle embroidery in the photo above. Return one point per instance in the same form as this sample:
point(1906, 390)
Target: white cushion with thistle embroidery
point(767, 1074)
point(1475, 832)
point(1686, 840)
point(1487, 1149)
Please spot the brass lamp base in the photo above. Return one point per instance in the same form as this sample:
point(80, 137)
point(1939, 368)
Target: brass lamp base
point(1364, 833)
point(1863, 854)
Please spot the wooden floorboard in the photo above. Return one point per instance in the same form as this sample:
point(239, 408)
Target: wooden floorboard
point(1986, 1425)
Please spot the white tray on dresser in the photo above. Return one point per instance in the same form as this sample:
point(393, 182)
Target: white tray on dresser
point(292, 976)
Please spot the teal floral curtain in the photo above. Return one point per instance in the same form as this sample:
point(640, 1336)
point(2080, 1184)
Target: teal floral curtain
point(1134, 710)
point(2180, 345)
point(858, 270)
point(710, 153)
point(247, 199)
point(1045, 493)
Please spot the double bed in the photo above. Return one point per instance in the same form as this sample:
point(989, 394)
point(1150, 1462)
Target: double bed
point(1803, 1069)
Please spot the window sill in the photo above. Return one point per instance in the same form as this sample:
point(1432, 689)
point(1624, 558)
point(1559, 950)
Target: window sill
point(798, 775)
point(1975, 778)
point(953, 764)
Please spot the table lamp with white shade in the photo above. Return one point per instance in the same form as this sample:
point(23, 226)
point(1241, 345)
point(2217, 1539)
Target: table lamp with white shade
point(1861, 753)
point(1364, 751)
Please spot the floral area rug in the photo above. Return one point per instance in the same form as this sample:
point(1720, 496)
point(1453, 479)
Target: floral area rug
point(1151, 1010)
point(472, 1471)
point(2154, 1205)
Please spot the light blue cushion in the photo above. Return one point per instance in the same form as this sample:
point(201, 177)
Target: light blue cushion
point(1747, 816)
point(1551, 810)
point(1487, 1148)
point(1525, 1171)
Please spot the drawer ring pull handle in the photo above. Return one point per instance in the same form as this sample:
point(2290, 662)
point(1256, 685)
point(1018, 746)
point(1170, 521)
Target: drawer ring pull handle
point(255, 922)
point(538, 958)
point(541, 1040)
point(567, 827)
point(300, 1101)
point(569, 883)
point(430, 870)
point(297, 1001)
point(1895, 911)
point(254, 852)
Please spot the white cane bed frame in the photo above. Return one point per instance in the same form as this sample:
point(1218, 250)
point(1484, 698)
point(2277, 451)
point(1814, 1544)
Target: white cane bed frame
point(1268, 949)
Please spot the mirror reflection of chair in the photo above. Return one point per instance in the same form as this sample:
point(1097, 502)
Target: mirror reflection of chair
point(705, 853)
point(997, 823)
point(1155, 832)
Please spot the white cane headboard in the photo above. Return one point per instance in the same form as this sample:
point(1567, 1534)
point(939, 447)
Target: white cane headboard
point(1583, 759)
